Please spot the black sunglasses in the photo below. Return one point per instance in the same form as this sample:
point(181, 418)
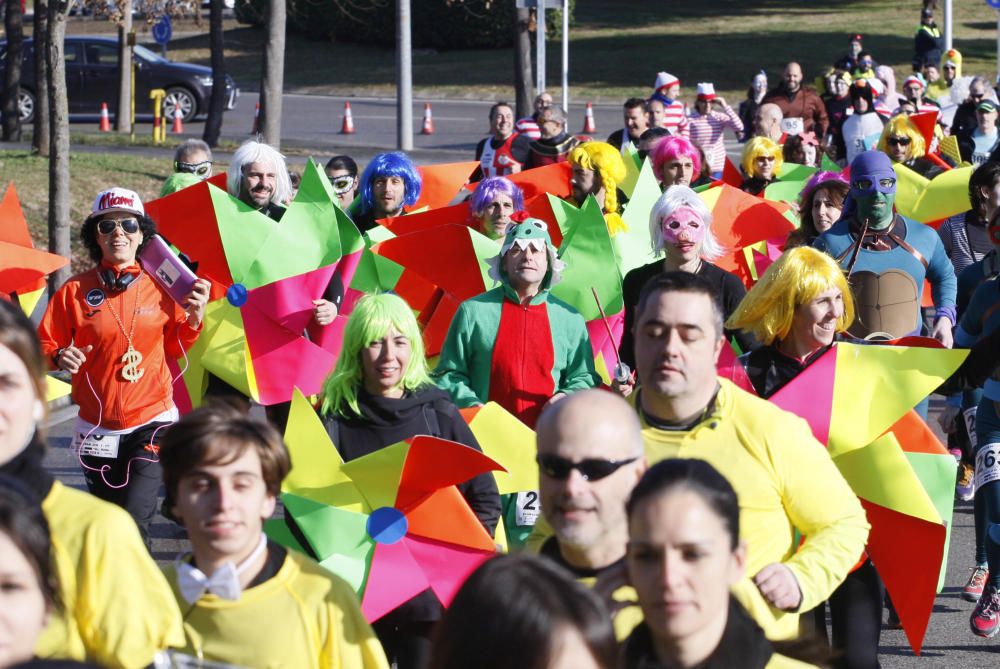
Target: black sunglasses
point(898, 141)
point(106, 226)
point(591, 469)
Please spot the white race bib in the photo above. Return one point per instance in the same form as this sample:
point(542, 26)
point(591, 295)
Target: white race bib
point(97, 445)
point(987, 464)
point(528, 508)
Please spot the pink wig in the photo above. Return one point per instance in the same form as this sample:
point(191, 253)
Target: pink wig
point(670, 148)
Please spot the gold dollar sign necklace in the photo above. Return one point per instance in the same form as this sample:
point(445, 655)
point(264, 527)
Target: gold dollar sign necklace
point(131, 371)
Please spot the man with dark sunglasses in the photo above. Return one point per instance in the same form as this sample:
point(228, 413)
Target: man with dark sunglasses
point(192, 164)
point(590, 456)
point(964, 121)
point(785, 479)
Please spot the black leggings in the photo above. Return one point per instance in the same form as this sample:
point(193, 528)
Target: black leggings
point(855, 619)
point(135, 450)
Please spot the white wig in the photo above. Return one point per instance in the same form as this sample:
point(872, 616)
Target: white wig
point(252, 151)
point(673, 199)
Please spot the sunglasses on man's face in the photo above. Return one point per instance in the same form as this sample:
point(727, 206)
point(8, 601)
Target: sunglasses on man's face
point(591, 469)
point(200, 170)
point(107, 225)
point(898, 141)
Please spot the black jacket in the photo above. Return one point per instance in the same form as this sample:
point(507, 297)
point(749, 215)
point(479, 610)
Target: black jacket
point(743, 644)
point(385, 421)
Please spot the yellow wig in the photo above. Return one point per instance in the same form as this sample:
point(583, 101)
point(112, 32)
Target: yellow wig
point(798, 277)
point(901, 126)
point(607, 161)
point(757, 147)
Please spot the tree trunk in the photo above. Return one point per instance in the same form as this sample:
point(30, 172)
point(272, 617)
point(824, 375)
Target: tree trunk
point(522, 64)
point(12, 73)
point(123, 115)
point(217, 101)
point(40, 140)
point(272, 79)
point(59, 212)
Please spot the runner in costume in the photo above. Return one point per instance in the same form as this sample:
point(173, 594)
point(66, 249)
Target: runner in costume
point(887, 257)
point(517, 344)
point(113, 328)
point(493, 203)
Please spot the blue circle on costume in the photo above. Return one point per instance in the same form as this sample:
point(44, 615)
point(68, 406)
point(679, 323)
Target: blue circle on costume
point(237, 295)
point(387, 525)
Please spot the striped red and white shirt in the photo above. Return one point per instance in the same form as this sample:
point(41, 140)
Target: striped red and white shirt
point(708, 132)
point(675, 118)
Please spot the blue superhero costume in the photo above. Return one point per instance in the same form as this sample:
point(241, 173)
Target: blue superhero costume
point(887, 267)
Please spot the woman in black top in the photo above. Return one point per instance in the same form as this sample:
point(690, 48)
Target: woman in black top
point(379, 394)
point(680, 227)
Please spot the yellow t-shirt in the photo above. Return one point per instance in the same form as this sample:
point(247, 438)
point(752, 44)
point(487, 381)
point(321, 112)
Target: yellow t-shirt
point(304, 617)
point(118, 610)
point(785, 481)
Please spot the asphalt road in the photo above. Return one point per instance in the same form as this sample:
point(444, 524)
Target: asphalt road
point(949, 643)
point(314, 121)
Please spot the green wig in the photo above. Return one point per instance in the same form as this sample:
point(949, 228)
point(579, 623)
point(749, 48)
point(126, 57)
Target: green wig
point(372, 318)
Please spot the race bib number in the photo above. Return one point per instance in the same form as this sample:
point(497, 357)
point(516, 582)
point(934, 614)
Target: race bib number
point(528, 508)
point(96, 445)
point(970, 425)
point(987, 464)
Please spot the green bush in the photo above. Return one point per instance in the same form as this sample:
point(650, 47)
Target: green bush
point(436, 24)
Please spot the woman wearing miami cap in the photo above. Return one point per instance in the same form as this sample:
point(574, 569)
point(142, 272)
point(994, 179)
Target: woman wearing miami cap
point(113, 328)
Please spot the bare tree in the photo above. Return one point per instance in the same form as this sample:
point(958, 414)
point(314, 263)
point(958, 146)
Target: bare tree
point(40, 139)
point(272, 79)
point(217, 101)
point(59, 212)
point(123, 116)
point(522, 63)
point(12, 73)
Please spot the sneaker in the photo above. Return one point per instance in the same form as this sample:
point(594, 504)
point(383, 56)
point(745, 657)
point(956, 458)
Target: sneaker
point(985, 620)
point(965, 489)
point(973, 590)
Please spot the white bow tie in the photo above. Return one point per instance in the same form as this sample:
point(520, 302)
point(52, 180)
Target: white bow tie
point(224, 583)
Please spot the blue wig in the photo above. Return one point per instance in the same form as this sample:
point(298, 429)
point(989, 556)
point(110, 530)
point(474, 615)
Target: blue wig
point(394, 164)
point(487, 191)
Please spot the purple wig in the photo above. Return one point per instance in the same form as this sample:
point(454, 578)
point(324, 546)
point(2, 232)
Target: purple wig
point(394, 164)
point(670, 148)
point(487, 191)
point(817, 180)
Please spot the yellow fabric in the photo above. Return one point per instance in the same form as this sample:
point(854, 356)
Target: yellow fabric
point(626, 618)
point(785, 480)
point(118, 609)
point(782, 662)
point(939, 89)
point(303, 617)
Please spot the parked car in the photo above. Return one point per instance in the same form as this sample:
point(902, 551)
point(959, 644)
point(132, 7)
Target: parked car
point(92, 78)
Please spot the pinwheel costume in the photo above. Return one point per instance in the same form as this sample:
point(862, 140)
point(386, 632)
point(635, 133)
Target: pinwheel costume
point(517, 355)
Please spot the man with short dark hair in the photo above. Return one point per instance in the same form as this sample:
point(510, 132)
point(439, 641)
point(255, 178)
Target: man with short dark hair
point(504, 151)
point(798, 101)
point(785, 479)
point(636, 123)
point(249, 601)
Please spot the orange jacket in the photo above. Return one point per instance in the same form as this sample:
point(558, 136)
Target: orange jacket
point(79, 315)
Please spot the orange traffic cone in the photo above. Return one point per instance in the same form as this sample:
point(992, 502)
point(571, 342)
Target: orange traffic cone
point(256, 120)
point(428, 128)
point(105, 119)
point(178, 124)
point(588, 120)
point(347, 127)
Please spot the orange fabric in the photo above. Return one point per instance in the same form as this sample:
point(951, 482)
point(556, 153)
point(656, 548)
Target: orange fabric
point(161, 329)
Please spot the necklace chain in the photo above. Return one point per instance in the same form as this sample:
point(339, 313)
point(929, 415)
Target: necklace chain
point(132, 358)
